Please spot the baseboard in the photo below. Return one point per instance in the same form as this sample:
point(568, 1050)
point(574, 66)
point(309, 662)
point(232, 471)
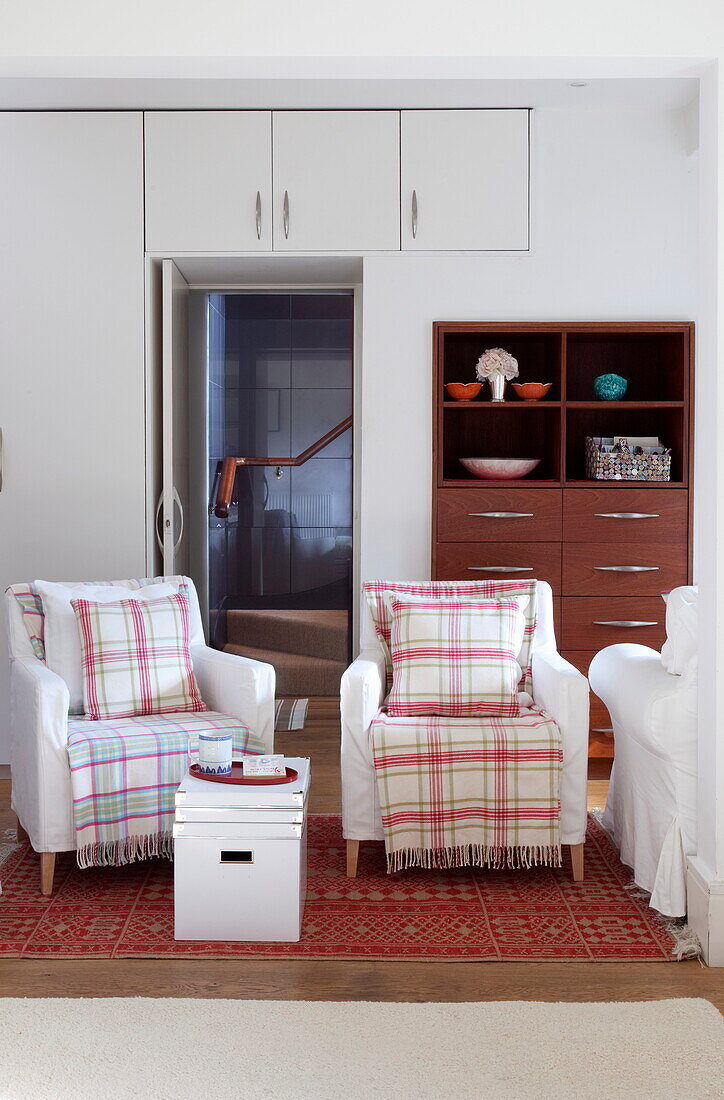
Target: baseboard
point(705, 902)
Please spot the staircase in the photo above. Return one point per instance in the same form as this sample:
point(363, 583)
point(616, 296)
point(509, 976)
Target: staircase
point(307, 648)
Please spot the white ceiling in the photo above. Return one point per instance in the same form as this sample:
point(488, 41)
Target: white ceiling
point(56, 92)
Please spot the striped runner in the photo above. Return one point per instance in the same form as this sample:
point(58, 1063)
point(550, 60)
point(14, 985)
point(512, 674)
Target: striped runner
point(290, 714)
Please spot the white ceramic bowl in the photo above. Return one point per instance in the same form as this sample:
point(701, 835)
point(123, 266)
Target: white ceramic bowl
point(500, 469)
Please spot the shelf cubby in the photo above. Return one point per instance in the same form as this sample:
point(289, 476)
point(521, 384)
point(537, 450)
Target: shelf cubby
point(667, 424)
point(538, 351)
point(501, 430)
point(654, 363)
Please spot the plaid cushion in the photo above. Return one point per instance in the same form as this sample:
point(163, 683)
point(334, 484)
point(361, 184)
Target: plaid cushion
point(124, 774)
point(455, 658)
point(378, 593)
point(33, 619)
point(31, 605)
point(135, 657)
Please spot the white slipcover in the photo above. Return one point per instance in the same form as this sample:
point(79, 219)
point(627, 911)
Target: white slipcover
point(557, 686)
point(39, 699)
point(651, 805)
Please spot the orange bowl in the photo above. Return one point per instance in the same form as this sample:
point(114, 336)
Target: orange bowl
point(463, 391)
point(531, 391)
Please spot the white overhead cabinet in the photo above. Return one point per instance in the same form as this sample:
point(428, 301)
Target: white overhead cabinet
point(208, 181)
point(331, 181)
point(336, 181)
point(464, 180)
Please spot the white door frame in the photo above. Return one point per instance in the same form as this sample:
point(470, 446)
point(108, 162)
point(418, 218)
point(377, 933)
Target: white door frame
point(155, 482)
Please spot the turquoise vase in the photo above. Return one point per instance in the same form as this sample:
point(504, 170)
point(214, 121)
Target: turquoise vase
point(610, 387)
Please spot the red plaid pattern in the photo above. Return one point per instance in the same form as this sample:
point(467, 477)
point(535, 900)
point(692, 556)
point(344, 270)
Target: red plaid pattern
point(136, 658)
point(455, 658)
point(460, 791)
point(378, 593)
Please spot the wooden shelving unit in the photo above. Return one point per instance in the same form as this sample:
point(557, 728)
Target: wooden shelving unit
point(567, 542)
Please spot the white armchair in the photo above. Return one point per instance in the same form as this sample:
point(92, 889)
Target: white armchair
point(651, 805)
point(557, 687)
point(40, 772)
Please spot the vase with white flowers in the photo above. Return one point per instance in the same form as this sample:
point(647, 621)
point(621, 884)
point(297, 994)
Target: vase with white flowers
point(497, 366)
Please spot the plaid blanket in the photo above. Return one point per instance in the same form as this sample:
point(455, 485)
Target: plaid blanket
point(461, 791)
point(124, 774)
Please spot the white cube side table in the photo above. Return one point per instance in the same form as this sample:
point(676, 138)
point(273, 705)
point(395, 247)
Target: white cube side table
point(240, 859)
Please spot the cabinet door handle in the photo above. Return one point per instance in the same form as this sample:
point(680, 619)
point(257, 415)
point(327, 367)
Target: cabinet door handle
point(601, 729)
point(627, 568)
point(503, 515)
point(500, 568)
point(627, 515)
point(414, 214)
point(286, 215)
point(623, 622)
point(258, 215)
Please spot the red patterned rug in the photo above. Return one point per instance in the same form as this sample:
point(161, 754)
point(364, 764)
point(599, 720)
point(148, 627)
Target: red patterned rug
point(461, 915)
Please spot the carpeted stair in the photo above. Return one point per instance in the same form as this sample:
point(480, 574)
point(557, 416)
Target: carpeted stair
point(307, 648)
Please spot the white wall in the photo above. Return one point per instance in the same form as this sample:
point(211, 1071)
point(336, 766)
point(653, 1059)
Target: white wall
point(614, 237)
point(71, 325)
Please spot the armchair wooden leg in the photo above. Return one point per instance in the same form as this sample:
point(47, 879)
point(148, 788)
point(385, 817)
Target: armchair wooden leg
point(22, 835)
point(352, 854)
point(577, 862)
point(47, 870)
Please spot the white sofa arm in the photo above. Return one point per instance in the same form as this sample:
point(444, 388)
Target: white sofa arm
point(41, 795)
point(239, 687)
point(363, 689)
point(652, 706)
point(362, 693)
point(562, 691)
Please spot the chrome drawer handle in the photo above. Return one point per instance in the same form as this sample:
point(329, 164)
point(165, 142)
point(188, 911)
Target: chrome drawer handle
point(501, 568)
point(258, 215)
point(285, 215)
point(628, 515)
point(623, 622)
point(601, 729)
point(627, 568)
point(503, 515)
point(414, 215)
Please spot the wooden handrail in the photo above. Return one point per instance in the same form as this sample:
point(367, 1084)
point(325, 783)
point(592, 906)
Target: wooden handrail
point(230, 465)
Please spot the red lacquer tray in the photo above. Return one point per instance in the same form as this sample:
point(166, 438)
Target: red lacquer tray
point(237, 776)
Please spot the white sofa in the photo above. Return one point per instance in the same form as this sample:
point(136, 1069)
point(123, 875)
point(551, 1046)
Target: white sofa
point(651, 805)
point(557, 687)
point(41, 786)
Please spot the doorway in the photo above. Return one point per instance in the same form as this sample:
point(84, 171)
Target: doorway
point(279, 430)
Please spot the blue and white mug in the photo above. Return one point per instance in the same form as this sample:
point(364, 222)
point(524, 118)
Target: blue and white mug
point(215, 750)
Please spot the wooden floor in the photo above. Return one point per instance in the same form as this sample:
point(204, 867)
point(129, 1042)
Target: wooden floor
point(384, 981)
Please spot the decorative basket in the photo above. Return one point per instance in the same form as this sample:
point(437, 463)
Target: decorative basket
point(605, 465)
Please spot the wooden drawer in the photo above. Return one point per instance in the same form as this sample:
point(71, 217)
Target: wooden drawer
point(491, 561)
point(590, 622)
point(615, 569)
point(649, 515)
point(482, 515)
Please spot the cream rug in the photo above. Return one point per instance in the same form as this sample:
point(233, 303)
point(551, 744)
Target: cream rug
point(214, 1049)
